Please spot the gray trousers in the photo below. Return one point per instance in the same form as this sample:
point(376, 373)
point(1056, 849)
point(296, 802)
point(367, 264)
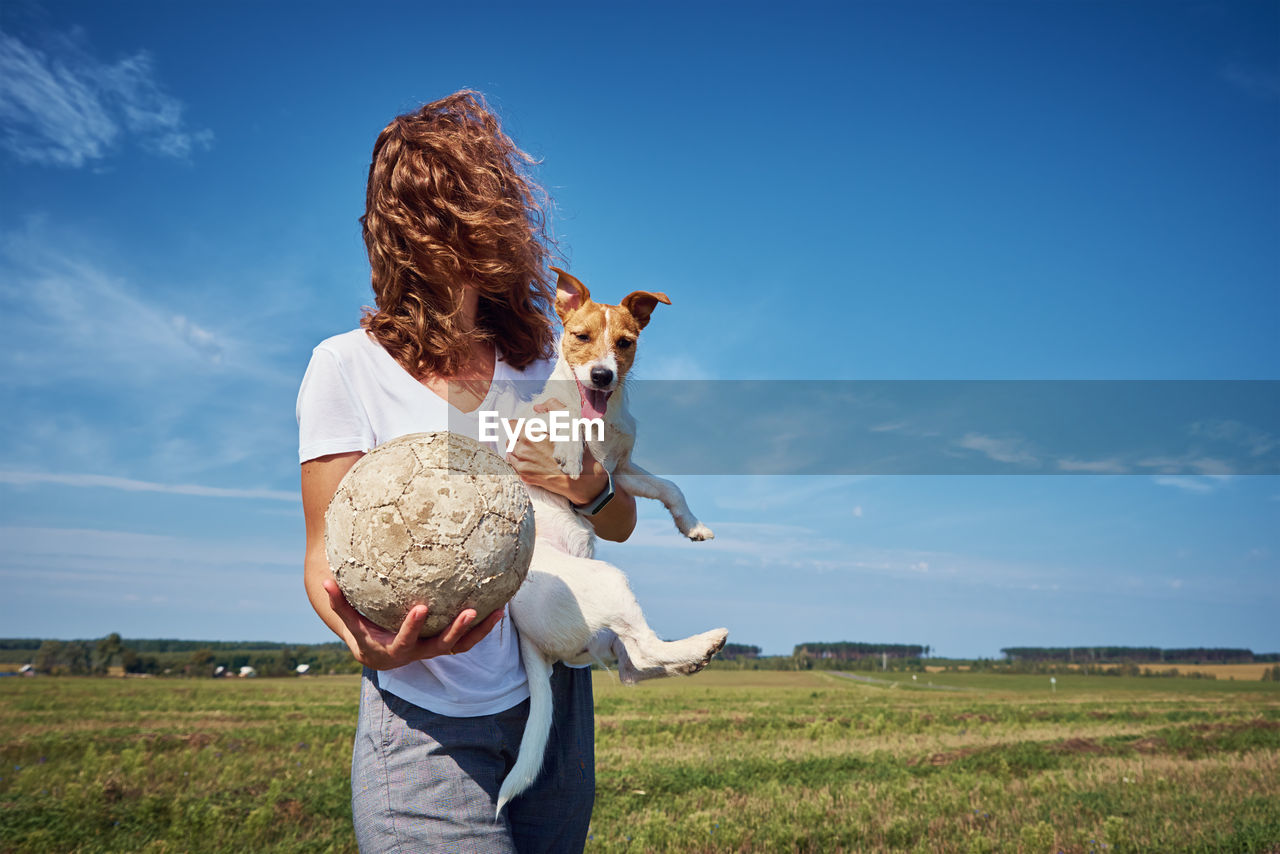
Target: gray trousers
point(422, 782)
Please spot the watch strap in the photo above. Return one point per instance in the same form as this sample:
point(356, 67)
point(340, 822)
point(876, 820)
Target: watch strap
point(598, 503)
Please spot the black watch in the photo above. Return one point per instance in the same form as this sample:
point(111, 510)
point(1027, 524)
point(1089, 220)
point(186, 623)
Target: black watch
point(598, 503)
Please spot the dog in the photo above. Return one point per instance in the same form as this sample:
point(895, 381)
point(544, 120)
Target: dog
point(594, 356)
point(571, 607)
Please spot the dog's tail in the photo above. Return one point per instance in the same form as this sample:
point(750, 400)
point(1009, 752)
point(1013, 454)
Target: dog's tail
point(537, 729)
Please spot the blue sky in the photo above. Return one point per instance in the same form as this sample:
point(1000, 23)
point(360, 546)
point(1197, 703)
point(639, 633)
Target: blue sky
point(861, 191)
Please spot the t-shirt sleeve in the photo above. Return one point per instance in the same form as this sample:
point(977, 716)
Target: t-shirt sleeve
point(331, 418)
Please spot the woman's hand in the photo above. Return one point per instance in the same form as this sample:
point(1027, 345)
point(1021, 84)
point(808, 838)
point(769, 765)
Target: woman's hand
point(379, 649)
point(536, 464)
point(371, 645)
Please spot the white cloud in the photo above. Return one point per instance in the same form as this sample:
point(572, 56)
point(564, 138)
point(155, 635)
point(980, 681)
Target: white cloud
point(1000, 450)
point(803, 552)
point(199, 338)
point(1111, 466)
point(1256, 442)
point(905, 428)
point(764, 493)
point(67, 316)
point(82, 582)
point(64, 107)
point(742, 537)
point(109, 373)
point(96, 481)
point(857, 511)
point(1190, 483)
point(81, 549)
point(1188, 462)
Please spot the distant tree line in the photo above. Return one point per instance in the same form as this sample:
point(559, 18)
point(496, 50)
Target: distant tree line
point(1079, 667)
point(739, 650)
point(113, 654)
point(1134, 654)
point(841, 655)
point(187, 658)
point(850, 651)
point(173, 645)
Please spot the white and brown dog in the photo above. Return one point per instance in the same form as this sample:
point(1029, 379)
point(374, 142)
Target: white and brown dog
point(571, 607)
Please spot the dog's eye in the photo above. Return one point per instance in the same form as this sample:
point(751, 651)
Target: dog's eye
point(624, 343)
point(582, 336)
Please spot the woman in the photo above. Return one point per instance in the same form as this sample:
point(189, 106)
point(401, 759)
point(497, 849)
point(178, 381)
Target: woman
point(458, 250)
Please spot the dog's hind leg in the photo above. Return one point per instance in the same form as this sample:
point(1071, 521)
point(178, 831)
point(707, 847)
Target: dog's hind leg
point(610, 604)
point(567, 605)
point(637, 481)
point(643, 655)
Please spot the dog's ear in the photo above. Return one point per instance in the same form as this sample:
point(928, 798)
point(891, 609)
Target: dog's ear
point(570, 293)
point(642, 303)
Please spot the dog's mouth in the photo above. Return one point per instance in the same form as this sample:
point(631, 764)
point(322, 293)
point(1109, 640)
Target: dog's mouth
point(594, 401)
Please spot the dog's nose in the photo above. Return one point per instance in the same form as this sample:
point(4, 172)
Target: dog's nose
point(601, 377)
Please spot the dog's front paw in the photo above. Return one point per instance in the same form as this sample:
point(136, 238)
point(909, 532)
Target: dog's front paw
point(699, 532)
point(569, 457)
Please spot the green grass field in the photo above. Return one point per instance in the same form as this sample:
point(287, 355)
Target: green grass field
point(726, 761)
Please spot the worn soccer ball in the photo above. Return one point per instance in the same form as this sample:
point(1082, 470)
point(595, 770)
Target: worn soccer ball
point(430, 518)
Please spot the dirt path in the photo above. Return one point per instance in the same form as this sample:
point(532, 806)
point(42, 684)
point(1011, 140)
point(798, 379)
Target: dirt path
point(858, 677)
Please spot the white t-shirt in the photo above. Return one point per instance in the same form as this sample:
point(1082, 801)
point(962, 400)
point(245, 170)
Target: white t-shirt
point(356, 396)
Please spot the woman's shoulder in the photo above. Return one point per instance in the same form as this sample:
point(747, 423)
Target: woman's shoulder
point(353, 343)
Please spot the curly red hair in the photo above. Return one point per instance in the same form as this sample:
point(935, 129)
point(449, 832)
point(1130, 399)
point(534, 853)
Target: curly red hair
point(450, 204)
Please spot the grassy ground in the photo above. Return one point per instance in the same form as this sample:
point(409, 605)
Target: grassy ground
point(726, 761)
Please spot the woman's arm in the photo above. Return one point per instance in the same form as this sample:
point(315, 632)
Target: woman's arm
point(536, 464)
point(618, 518)
point(371, 645)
